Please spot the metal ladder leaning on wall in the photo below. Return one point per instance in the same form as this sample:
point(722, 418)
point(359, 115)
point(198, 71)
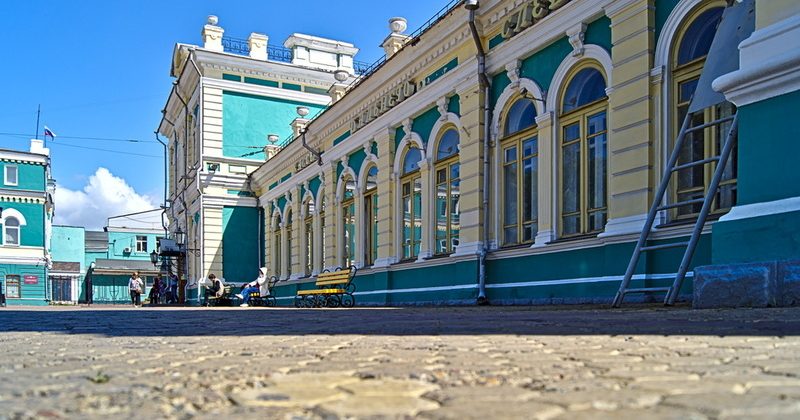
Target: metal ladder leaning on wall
point(737, 24)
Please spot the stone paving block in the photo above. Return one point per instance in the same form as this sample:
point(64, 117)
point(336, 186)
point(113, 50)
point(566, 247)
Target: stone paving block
point(654, 413)
point(728, 405)
point(602, 399)
point(789, 278)
point(740, 285)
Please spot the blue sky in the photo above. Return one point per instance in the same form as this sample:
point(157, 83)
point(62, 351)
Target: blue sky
point(101, 69)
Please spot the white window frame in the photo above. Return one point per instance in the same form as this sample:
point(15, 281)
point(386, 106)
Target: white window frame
point(6, 228)
point(16, 175)
point(139, 242)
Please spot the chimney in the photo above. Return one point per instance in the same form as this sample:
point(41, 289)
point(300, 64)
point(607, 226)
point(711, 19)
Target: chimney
point(258, 46)
point(212, 34)
point(37, 146)
point(396, 40)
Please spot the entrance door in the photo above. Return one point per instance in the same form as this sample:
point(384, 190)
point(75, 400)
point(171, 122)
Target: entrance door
point(62, 289)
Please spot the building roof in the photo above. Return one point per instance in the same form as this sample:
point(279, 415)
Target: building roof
point(112, 266)
point(96, 241)
point(66, 267)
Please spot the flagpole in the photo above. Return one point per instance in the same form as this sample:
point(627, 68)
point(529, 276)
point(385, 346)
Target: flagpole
point(38, 113)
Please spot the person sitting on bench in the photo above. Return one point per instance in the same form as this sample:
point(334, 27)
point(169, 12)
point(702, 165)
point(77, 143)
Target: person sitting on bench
point(214, 288)
point(260, 285)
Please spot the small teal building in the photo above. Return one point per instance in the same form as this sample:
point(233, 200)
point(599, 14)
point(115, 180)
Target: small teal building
point(111, 256)
point(26, 199)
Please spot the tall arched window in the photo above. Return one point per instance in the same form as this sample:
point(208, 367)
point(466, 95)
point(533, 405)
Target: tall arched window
point(411, 193)
point(308, 229)
point(520, 148)
point(277, 246)
point(584, 139)
point(11, 231)
point(324, 243)
point(349, 222)
point(689, 56)
point(447, 170)
point(371, 217)
point(289, 243)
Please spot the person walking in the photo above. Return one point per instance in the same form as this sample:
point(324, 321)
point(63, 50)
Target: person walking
point(260, 285)
point(136, 285)
point(172, 291)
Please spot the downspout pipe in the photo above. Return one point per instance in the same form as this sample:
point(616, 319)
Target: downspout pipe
point(199, 161)
point(163, 222)
point(184, 177)
point(313, 151)
point(486, 85)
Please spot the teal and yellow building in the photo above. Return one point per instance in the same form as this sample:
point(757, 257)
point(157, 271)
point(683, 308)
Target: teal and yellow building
point(509, 153)
point(26, 198)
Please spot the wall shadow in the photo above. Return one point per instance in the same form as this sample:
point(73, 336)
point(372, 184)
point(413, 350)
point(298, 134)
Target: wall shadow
point(408, 321)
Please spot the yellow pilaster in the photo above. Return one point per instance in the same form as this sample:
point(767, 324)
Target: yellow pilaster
point(386, 185)
point(471, 160)
point(331, 211)
point(630, 145)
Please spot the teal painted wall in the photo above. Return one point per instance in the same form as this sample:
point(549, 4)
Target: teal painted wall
point(768, 152)
point(247, 119)
point(355, 160)
point(118, 241)
point(30, 294)
point(93, 256)
point(663, 9)
point(32, 234)
point(769, 148)
point(595, 274)
point(68, 244)
point(240, 243)
point(29, 176)
point(599, 33)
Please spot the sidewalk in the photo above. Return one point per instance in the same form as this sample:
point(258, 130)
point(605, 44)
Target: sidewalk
point(462, 362)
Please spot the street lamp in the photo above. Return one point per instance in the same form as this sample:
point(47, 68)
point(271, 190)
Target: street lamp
point(154, 258)
point(180, 236)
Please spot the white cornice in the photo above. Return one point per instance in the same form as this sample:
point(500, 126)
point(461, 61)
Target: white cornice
point(769, 65)
point(272, 69)
point(279, 93)
point(23, 157)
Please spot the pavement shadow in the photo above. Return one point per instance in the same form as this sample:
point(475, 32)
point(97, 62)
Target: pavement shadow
point(409, 321)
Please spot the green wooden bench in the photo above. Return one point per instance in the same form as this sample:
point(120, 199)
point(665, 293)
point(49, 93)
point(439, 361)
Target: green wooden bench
point(334, 289)
point(257, 300)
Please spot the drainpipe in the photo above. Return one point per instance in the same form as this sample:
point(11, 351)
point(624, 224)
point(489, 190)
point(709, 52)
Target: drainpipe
point(471, 6)
point(164, 144)
point(199, 161)
point(309, 148)
point(184, 177)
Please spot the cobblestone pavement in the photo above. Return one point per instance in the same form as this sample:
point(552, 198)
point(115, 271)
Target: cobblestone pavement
point(463, 362)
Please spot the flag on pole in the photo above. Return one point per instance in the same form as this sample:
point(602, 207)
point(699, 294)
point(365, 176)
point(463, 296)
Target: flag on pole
point(49, 132)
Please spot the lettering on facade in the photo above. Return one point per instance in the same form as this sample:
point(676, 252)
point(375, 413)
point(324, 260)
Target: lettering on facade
point(528, 14)
point(305, 161)
point(30, 279)
point(383, 104)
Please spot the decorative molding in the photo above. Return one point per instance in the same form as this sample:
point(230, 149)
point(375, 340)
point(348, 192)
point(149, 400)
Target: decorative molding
point(576, 35)
point(272, 92)
point(512, 71)
point(767, 208)
point(591, 51)
point(624, 225)
point(769, 65)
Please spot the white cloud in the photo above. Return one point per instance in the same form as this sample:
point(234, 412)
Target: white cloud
point(104, 195)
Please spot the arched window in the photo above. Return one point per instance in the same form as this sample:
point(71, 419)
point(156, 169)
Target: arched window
point(411, 193)
point(584, 160)
point(11, 231)
point(447, 170)
point(520, 116)
point(349, 222)
point(277, 245)
point(308, 228)
point(689, 55)
point(324, 243)
point(371, 217)
point(289, 248)
point(520, 148)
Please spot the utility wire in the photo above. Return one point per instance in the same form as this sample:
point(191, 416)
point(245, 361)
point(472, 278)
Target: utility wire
point(83, 138)
point(102, 150)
